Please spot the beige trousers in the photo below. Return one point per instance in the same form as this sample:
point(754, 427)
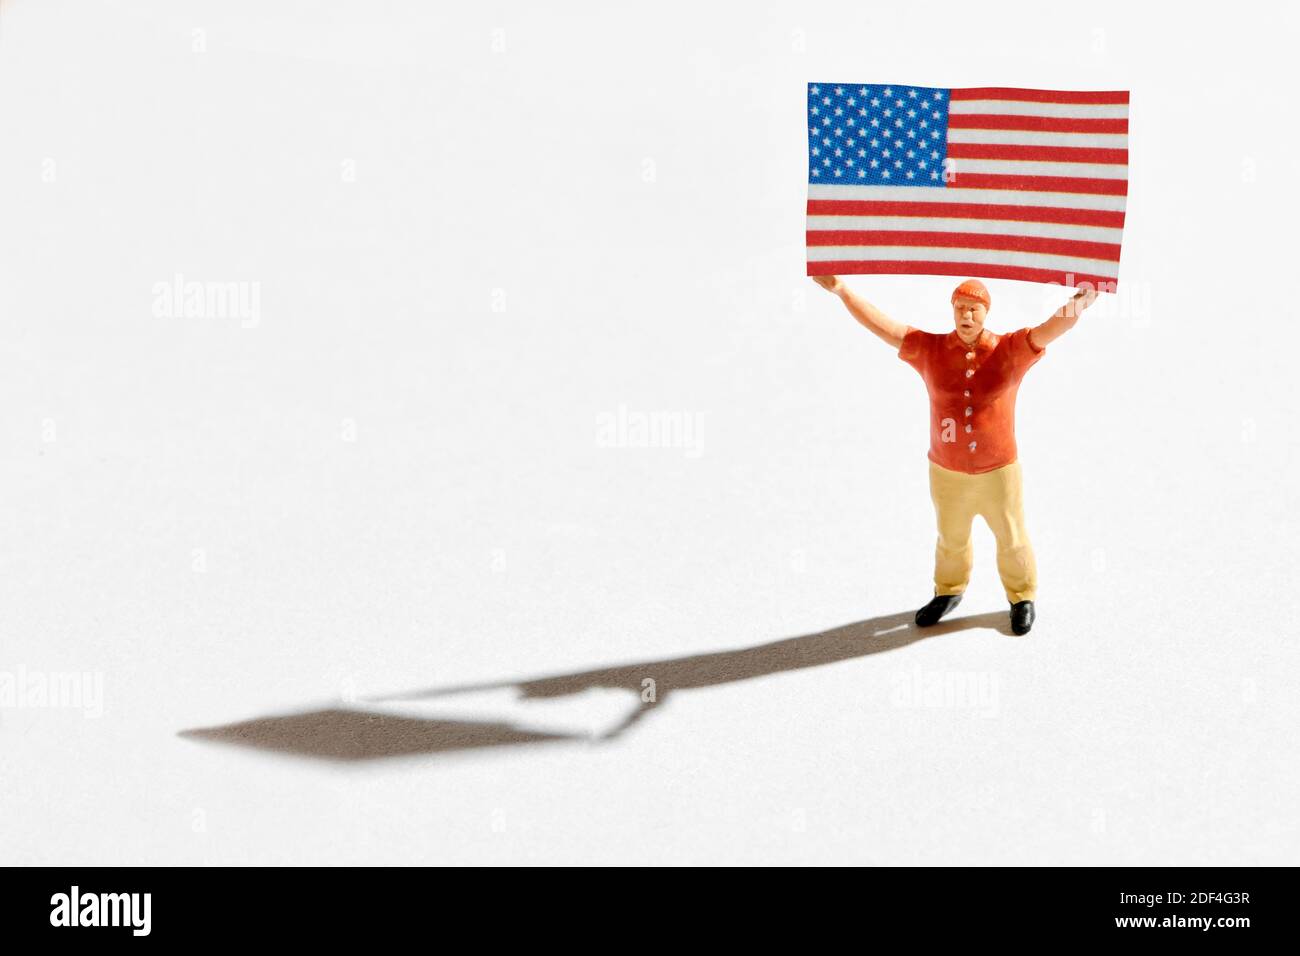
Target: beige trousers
point(997, 496)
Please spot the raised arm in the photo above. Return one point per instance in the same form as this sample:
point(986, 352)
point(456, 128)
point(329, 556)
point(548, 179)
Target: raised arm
point(1062, 320)
point(862, 310)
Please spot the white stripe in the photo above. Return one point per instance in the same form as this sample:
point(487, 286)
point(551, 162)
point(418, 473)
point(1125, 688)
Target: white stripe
point(1033, 137)
point(1012, 197)
point(1023, 108)
point(989, 227)
point(1034, 167)
point(984, 257)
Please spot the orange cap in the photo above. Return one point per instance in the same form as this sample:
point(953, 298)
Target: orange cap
point(975, 290)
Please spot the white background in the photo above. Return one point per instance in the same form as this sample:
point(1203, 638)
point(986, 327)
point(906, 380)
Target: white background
point(477, 230)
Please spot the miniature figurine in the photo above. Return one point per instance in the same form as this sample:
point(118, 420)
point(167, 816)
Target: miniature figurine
point(972, 376)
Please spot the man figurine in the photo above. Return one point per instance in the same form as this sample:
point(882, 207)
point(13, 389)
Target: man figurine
point(972, 376)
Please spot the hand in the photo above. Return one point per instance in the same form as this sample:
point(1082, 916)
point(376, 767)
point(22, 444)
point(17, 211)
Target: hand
point(829, 283)
point(1081, 300)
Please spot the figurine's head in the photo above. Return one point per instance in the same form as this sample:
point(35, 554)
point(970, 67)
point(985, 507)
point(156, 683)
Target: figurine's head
point(970, 306)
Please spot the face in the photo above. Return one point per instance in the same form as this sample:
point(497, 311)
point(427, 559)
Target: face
point(968, 315)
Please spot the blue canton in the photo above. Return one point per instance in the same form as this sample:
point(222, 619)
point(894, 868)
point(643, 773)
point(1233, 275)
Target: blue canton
point(877, 135)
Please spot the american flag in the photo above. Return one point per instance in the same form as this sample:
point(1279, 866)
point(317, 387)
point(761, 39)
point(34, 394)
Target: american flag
point(994, 182)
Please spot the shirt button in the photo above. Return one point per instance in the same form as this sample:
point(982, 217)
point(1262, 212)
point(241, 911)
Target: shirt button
point(972, 446)
point(970, 355)
point(969, 410)
point(967, 393)
point(967, 429)
point(970, 372)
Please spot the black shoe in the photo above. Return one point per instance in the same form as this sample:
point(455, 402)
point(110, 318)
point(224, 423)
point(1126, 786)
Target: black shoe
point(939, 605)
point(1022, 617)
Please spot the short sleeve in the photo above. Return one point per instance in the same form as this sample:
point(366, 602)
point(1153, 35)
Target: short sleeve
point(1023, 351)
point(912, 349)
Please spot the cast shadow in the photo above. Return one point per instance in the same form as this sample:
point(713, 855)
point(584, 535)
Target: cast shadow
point(340, 734)
point(335, 733)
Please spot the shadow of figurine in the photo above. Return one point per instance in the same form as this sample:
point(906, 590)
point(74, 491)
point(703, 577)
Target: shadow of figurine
point(337, 733)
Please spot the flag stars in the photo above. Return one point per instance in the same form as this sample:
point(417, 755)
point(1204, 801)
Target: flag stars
point(872, 134)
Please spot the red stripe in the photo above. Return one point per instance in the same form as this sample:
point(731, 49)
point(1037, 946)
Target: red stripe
point(1094, 97)
point(1044, 184)
point(1043, 124)
point(892, 267)
point(1056, 154)
point(964, 240)
point(966, 210)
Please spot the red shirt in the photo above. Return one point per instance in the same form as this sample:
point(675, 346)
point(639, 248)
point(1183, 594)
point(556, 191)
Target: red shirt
point(972, 394)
